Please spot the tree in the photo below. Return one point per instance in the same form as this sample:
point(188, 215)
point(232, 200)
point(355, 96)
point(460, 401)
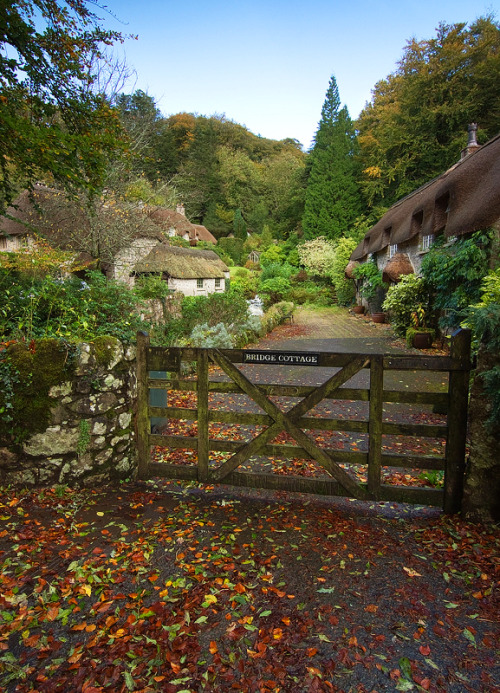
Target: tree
point(51, 121)
point(416, 124)
point(239, 226)
point(317, 256)
point(332, 199)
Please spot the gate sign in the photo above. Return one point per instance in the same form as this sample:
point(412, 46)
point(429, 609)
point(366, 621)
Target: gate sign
point(282, 358)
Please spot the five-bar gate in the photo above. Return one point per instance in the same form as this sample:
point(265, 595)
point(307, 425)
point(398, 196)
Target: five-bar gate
point(291, 432)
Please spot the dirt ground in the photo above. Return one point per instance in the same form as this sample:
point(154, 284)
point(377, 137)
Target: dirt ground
point(184, 588)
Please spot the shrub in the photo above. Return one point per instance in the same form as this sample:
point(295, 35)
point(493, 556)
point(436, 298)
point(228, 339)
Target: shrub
point(275, 315)
point(152, 286)
point(210, 337)
point(274, 290)
point(313, 294)
point(344, 288)
point(404, 299)
point(373, 285)
point(276, 269)
point(454, 273)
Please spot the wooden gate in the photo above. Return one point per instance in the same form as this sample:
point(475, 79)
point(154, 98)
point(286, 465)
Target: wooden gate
point(222, 375)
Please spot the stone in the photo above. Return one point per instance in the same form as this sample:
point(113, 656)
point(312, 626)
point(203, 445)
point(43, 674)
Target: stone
point(125, 419)
point(103, 457)
point(54, 441)
point(7, 458)
point(99, 428)
point(61, 390)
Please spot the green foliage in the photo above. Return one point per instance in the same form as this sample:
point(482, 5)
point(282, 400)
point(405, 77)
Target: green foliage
point(9, 379)
point(332, 198)
point(33, 370)
point(83, 438)
point(151, 286)
point(274, 290)
point(312, 293)
point(317, 256)
point(276, 269)
point(210, 337)
point(344, 288)
point(404, 299)
point(52, 123)
point(232, 247)
point(245, 281)
point(239, 226)
point(275, 315)
point(484, 319)
point(230, 306)
point(416, 123)
point(66, 307)
point(373, 285)
point(454, 273)
point(272, 254)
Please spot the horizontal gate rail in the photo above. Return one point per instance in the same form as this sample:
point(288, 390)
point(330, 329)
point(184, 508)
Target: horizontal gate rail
point(267, 420)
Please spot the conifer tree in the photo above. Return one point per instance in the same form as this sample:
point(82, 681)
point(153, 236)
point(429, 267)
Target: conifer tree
point(332, 199)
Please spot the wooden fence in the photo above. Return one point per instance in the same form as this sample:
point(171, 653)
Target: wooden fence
point(270, 421)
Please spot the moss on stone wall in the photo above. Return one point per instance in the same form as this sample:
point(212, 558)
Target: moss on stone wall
point(105, 350)
point(39, 367)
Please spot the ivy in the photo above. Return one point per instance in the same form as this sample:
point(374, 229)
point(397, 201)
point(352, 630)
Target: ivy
point(454, 272)
point(9, 378)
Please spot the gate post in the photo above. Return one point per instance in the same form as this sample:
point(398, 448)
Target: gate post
point(142, 417)
point(458, 400)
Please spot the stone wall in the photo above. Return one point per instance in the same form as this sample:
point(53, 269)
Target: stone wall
point(482, 481)
point(90, 435)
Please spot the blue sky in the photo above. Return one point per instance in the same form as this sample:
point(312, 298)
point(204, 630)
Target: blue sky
point(266, 65)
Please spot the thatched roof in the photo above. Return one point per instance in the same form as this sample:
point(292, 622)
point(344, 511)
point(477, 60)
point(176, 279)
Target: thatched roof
point(168, 219)
point(203, 234)
point(66, 224)
point(182, 263)
point(462, 200)
point(398, 266)
point(348, 272)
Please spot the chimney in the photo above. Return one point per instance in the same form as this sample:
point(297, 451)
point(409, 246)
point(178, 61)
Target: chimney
point(180, 209)
point(472, 144)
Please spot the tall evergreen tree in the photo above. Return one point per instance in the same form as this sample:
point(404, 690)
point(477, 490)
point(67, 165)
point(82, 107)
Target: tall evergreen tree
point(333, 199)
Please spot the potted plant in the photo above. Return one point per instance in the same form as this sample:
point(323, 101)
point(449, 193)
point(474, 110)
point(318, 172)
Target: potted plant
point(358, 309)
point(419, 335)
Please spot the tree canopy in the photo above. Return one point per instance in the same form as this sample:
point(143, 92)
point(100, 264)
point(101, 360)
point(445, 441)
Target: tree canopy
point(52, 123)
point(416, 123)
point(332, 198)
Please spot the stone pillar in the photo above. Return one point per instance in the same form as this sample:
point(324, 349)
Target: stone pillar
point(481, 499)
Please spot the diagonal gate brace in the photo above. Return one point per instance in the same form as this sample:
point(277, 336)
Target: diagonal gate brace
point(287, 421)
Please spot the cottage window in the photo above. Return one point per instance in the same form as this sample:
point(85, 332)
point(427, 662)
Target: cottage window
point(217, 283)
point(426, 242)
point(3, 243)
point(416, 222)
point(393, 249)
point(441, 211)
point(199, 283)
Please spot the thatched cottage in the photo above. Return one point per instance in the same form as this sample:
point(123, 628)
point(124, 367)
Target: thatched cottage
point(464, 199)
point(174, 223)
point(115, 237)
point(190, 271)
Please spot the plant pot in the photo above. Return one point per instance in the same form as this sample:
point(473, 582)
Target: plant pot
point(378, 317)
point(422, 340)
point(359, 310)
